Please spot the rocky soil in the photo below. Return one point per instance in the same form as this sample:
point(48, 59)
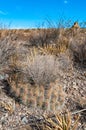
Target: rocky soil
point(14, 116)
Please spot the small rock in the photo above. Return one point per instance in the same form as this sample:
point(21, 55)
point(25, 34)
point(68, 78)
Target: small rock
point(75, 87)
point(24, 120)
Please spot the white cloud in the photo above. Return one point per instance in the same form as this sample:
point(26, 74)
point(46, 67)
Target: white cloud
point(3, 13)
point(65, 1)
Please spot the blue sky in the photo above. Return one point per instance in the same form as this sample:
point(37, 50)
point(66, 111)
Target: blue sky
point(31, 13)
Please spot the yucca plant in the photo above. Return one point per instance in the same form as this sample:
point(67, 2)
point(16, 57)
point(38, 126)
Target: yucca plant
point(55, 122)
point(63, 122)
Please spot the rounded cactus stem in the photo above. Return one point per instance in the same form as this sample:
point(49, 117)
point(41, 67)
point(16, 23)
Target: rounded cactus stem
point(50, 97)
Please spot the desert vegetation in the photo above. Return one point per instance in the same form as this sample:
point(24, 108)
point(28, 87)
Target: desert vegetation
point(45, 70)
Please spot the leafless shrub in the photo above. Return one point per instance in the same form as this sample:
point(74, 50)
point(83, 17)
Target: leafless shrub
point(6, 51)
point(45, 69)
point(10, 56)
point(50, 41)
point(45, 37)
point(78, 49)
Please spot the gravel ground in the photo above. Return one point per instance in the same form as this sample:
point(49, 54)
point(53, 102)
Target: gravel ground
point(14, 116)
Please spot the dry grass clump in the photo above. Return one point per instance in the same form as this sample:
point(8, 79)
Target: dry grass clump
point(64, 122)
point(54, 122)
point(59, 46)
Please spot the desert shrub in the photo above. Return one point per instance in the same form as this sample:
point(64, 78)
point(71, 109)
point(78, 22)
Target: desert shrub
point(45, 37)
point(60, 45)
point(10, 56)
point(78, 49)
point(6, 51)
point(52, 41)
point(46, 68)
point(43, 69)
